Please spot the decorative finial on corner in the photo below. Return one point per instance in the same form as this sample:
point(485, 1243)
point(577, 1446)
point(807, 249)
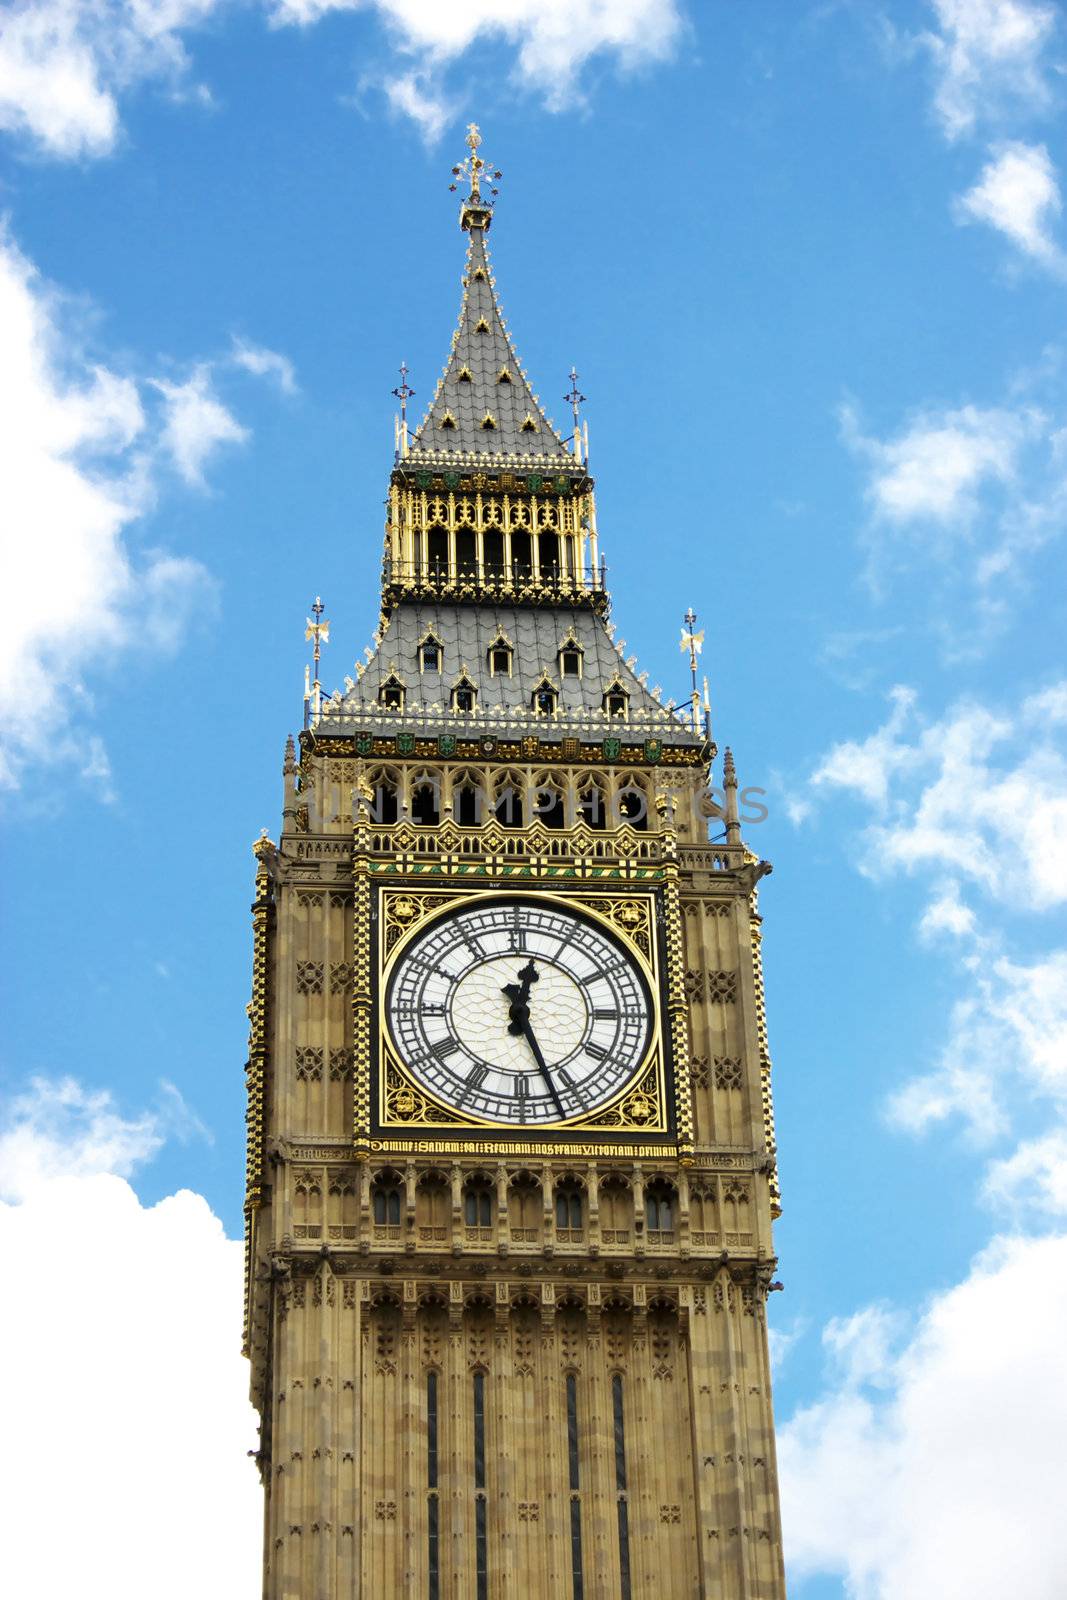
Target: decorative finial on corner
point(403, 394)
point(575, 398)
point(289, 765)
point(319, 632)
point(477, 210)
point(694, 643)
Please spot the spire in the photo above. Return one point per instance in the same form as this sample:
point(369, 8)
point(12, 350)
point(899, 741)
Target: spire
point(483, 405)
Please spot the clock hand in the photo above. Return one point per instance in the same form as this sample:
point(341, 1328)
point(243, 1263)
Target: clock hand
point(519, 995)
point(542, 1066)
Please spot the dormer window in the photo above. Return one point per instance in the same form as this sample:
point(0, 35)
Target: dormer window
point(391, 694)
point(464, 695)
point(545, 699)
point(430, 654)
point(504, 376)
point(616, 701)
point(447, 421)
point(479, 275)
point(481, 326)
point(488, 421)
point(499, 658)
point(464, 375)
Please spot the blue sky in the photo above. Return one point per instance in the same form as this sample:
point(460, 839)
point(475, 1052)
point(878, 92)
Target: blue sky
point(809, 260)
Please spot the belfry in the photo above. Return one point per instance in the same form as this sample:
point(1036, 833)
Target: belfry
point(511, 1163)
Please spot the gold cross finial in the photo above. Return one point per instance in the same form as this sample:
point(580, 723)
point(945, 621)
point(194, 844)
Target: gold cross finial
point(472, 168)
point(474, 139)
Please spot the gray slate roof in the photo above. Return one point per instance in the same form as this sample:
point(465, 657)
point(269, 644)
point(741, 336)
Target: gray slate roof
point(466, 632)
point(482, 347)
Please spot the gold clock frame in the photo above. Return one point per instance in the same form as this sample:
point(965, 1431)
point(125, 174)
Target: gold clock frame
point(404, 1107)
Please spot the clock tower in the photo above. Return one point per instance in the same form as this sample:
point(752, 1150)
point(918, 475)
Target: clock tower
point(511, 1163)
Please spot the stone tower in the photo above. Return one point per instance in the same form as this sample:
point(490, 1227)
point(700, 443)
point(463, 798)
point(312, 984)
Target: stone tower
point(511, 1172)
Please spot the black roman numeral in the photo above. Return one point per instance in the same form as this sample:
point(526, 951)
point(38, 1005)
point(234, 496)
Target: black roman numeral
point(597, 1051)
point(444, 1047)
point(476, 1077)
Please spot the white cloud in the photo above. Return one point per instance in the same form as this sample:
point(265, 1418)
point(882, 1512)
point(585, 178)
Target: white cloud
point(75, 450)
point(989, 58)
point(947, 913)
point(1018, 195)
point(64, 63)
point(1006, 1049)
point(196, 423)
point(976, 801)
point(1033, 1179)
point(126, 1350)
point(933, 1466)
point(416, 95)
point(264, 363)
point(949, 793)
point(934, 469)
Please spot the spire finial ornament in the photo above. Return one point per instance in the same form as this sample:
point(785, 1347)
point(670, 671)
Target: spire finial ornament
point(477, 210)
point(694, 643)
point(403, 394)
point(575, 398)
point(319, 632)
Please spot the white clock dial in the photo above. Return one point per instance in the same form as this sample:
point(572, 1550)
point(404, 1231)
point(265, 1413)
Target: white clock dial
point(519, 1011)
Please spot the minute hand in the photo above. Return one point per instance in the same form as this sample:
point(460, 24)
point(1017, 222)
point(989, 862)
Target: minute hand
point(542, 1066)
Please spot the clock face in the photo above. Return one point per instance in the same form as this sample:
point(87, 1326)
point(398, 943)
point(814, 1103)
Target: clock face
point(519, 1011)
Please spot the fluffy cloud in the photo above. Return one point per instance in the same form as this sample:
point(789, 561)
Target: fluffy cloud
point(933, 470)
point(65, 64)
point(74, 451)
point(989, 57)
point(127, 1359)
point(1033, 1179)
point(1006, 1050)
point(196, 423)
point(932, 1464)
point(1018, 195)
point(942, 791)
point(989, 480)
point(264, 363)
point(975, 804)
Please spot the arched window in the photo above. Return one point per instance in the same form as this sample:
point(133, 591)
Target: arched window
point(659, 1207)
point(544, 699)
point(425, 806)
point(386, 1201)
point(616, 1212)
point(478, 1204)
point(632, 807)
point(385, 807)
point(464, 695)
point(592, 805)
point(467, 802)
point(391, 694)
point(524, 1209)
point(430, 654)
point(493, 552)
point(438, 554)
point(548, 556)
point(521, 561)
point(466, 554)
point(499, 657)
point(570, 658)
point(569, 1211)
point(508, 808)
point(548, 804)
